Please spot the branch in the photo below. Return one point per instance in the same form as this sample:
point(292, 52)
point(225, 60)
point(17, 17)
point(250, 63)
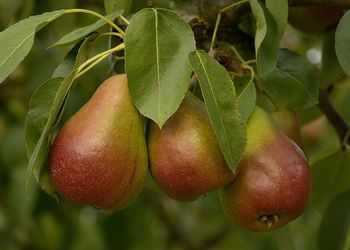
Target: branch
point(344, 4)
point(340, 125)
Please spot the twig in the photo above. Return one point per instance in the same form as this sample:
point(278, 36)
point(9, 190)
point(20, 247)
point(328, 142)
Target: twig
point(340, 125)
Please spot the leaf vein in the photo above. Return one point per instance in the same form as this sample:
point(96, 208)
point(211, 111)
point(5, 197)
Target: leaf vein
point(158, 64)
point(216, 104)
point(297, 81)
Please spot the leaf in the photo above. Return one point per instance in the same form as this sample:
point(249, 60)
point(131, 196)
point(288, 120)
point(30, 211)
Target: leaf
point(335, 226)
point(331, 70)
point(40, 152)
point(266, 38)
point(81, 33)
point(112, 5)
point(331, 176)
point(36, 160)
point(279, 11)
point(220, 100)
point(41, 101)
point(293, 82)
point(340, 98)
point(67, 65)
point(157, 43)
point(342, 42)
point(17, 40)
point(39, 111)
point(246, 96)
point(46, 107)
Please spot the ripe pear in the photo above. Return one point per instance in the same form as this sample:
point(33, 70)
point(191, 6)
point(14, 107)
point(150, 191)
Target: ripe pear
point(313, 20)
point(99, 157)
point(185, 157)
point(273, 182)
point(288, 121)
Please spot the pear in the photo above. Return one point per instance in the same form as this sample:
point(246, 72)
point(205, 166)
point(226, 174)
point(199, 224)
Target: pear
point(185, 157)
point(273, 179)
point(313, 20)
point(288, 121)
point(99, 157)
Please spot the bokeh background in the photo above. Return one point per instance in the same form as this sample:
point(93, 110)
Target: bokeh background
point(36, 221)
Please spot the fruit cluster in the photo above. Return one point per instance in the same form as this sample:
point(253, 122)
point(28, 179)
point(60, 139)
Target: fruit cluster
point(100, 158)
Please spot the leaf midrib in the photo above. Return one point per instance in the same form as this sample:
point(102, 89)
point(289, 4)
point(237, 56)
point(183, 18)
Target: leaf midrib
point(24, 40)
point(158, 64)
point(216, 104)
point(297, 81)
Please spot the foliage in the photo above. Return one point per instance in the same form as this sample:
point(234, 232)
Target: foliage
point(264, 63)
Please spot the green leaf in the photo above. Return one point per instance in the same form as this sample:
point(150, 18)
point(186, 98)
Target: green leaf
point(335, 226)
point(17, 40)
point(41, 100)
point(39, 111)
point(40, 152)
point(246, 96)
point(340, 98)
point(331, 70)
point(266, 38)
point(293, 82)
point(67, 65)
point(46, 107)
point(81, 33)
point(279, 11)
point(331, 176)
point(112, 5)
point(220, 100)
point(157, 43)
point(342, 42)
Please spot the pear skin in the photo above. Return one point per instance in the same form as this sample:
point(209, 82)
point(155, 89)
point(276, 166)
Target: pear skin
point(273, 182)
point(185, 157)
point(99, 158)
point(313, 20)
point(288, 121)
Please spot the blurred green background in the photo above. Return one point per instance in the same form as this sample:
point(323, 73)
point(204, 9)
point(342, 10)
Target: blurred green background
point(153, 221)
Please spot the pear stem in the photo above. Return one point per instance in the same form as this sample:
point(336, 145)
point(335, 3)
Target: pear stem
point(111, 34)
point(125, 20)
point(96, 15)
point(96, 59)
point(218, 19)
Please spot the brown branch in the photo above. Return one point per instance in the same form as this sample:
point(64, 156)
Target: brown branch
point(340, 125)
point(344, 4)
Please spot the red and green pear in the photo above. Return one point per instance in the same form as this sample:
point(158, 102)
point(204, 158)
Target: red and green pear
point(185, 157)
point(99, 158)
point(313, 20)
point(273, 179)
point(288, 121)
